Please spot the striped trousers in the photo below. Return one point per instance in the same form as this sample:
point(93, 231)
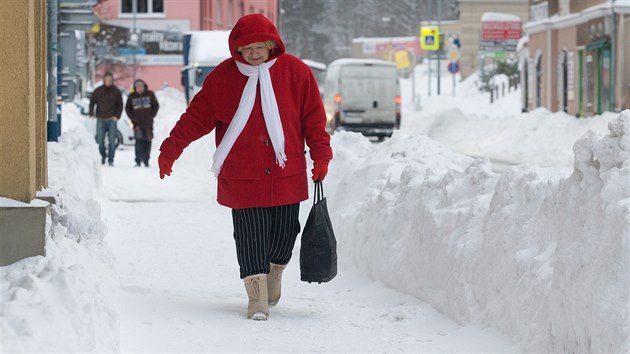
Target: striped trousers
point(264, 235)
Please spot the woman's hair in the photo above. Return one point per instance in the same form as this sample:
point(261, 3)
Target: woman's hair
point(269, 44)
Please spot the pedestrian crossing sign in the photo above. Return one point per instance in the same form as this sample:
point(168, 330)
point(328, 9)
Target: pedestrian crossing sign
point(430, 37)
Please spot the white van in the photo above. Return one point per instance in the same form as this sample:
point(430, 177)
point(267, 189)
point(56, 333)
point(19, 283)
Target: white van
point(362, 95)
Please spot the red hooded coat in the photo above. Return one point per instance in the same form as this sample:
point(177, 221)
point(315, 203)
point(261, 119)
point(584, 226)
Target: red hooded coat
point(250, 176)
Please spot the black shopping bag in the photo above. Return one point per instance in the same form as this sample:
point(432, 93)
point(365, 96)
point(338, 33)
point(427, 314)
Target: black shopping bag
point(318, 253)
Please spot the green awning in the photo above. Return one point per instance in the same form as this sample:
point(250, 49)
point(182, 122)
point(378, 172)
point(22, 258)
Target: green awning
point(600, 43)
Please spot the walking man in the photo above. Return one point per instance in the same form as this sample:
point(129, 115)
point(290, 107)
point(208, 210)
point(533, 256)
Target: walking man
point(141, 107)
point(108, 101)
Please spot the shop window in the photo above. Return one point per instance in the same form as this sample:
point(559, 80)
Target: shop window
point(218, 11)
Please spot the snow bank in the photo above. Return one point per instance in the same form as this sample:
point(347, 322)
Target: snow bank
point(542, 257)
point(67, 300)
point(531, 137)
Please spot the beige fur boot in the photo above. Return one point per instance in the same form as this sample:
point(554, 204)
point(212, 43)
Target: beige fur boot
point(258, 307)
point(274, 282)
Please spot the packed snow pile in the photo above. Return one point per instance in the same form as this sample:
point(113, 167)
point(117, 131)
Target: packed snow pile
point(540, 256)
point(67, 300)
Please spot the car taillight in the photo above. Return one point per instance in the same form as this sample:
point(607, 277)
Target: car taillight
point(398, 100)
point(337, 100)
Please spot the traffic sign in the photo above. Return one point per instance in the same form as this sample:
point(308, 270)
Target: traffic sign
point(453, 68)
point(402, 60)
point(430, 37)
point(454, 54)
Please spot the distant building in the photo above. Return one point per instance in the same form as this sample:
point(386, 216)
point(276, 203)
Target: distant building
point(578, 57)
point(468, 27)
point(154, 53)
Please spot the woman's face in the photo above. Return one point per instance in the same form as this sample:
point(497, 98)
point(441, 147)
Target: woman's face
point(255, 53)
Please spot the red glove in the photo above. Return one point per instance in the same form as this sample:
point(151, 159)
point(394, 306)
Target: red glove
point(165, 163)
point(320, 169)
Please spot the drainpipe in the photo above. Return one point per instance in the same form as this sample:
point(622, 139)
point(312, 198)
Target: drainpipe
point(53, 124)
point(549, 63)
point(622, 53)
point(613, 57)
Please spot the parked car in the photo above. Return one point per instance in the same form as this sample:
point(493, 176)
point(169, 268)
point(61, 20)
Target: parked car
point(362, 95)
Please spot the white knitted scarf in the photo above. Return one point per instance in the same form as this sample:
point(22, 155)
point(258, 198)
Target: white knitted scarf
point(244, 110)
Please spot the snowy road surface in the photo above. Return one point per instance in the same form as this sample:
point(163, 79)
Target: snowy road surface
point(180, 289)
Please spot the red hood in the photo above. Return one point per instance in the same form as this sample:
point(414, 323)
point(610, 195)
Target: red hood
point(251, 29)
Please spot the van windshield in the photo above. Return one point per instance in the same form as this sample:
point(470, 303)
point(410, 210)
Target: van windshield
point(200, 74)
point(363, 85)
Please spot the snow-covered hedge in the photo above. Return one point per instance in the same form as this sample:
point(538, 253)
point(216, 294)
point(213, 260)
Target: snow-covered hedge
point(67, 300)
point(540, 256)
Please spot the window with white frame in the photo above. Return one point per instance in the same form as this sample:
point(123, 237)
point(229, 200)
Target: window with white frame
point(230, 10)
point(218, 11)
point(142, 6)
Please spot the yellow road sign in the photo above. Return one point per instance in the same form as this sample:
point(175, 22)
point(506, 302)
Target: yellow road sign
point(430, 37)
point(402, 59)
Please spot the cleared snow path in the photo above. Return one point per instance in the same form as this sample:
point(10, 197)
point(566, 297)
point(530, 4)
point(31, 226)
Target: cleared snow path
point(180, 290)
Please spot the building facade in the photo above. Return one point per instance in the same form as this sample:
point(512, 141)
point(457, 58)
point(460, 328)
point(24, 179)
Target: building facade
point(577, 57)
point(147, 43)
point(23, 130)
point(468, 27)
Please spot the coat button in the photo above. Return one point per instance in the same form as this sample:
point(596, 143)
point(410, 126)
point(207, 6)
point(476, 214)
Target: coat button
point(268, 171)
point(267, 142)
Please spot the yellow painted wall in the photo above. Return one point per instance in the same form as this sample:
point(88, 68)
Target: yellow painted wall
point(22, 99)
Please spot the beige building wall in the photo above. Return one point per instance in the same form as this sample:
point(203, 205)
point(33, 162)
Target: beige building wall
point(22, 99)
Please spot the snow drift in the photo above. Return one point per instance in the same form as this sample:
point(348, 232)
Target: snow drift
point(67, 300)
point(542, 257)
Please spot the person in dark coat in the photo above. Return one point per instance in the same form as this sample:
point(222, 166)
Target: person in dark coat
point(142, 106)
point(109, 105)
point(265, 106)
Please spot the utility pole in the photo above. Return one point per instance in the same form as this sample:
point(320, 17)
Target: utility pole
point(439, 10)
point(134, 38)
point(51, 67)
point(429, 55)
point(613, 58)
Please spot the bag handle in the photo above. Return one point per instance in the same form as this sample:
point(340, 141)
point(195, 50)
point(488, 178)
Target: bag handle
point(318, 192)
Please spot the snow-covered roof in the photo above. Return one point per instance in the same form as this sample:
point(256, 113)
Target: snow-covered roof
point(499, 17)
point(345, 61)
point(576, 18)
point(314, 64)
point(209, 46)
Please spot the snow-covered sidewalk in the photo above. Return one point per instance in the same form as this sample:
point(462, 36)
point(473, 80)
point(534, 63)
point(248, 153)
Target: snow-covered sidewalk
point(180, 289)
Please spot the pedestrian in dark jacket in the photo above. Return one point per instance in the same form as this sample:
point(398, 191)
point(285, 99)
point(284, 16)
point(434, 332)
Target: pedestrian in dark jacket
point(141, 107)
point(109, 105)
point(264, 105)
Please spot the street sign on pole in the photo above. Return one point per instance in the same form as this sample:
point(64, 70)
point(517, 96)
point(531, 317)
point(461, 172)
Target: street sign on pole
point(430, 37)
point(454, 54)
point(453, 68)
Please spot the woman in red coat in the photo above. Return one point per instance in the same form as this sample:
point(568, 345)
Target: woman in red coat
point(264, 105)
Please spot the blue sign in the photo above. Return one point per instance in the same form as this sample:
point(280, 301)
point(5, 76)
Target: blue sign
point(131, 51)
point(453, 68)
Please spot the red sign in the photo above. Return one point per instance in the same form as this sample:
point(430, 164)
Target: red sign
point(501, 30)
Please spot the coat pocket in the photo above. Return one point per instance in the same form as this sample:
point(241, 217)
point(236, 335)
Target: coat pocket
point(295, 165)
point(238, 171)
